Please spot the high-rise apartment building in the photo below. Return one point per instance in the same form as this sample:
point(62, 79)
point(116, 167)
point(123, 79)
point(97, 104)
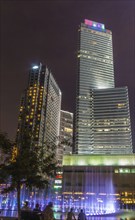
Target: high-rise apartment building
point(40, 107)
point(66, 134)
point(102, 111)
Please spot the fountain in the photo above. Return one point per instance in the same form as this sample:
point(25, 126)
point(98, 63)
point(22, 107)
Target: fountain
point(100, 185)
point(8, 202)
point(90, 191)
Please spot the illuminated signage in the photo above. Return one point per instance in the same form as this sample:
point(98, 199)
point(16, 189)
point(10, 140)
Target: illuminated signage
point(94, 24)
point(59, 177)
point(57, 187)
point(58, 181)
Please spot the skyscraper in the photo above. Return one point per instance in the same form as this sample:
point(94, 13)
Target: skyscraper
point(40, 107)
point(102, 111)
point(66, 135)
point(95, 57)
point(66, 126)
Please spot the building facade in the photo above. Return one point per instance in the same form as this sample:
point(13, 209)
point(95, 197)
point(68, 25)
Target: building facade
point(99, 104)
point(107, 129)
point(66, 134)
point(40, 107)
point(99, 183)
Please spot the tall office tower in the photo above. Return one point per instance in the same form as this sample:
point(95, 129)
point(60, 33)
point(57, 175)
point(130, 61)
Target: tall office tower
point(66, 134)
point(96, 72)
point(40, 107)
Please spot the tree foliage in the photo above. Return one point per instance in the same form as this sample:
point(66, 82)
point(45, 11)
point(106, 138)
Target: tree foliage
point(5, 147)
point(31, 165)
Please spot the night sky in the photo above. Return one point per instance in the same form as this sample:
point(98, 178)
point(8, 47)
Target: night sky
point(46, 32)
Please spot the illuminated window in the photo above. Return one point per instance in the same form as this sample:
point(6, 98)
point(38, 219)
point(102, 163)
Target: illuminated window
point(124, 170)
point(121, 105)
point(106, 129)
point(132, 170)
point(68, 129)
point(56, 187)
point(116, 171)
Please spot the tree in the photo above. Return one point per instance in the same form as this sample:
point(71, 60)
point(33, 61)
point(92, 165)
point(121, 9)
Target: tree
point(28, 166)
point(5, 147)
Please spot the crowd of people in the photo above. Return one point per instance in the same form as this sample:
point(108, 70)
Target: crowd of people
point(36, 213)
point(71, 215)
point(47, 213)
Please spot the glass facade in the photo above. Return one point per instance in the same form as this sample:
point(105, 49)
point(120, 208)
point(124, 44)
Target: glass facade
point(99, 183)
point(111, 127)
point(66, 134)
point(102, 111)
point(95, 58)
point(66, 128)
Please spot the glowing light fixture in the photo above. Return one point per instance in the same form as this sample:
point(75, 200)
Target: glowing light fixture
point(103, 27)
point(35, 67)
point(57, 187)
point(99, 160)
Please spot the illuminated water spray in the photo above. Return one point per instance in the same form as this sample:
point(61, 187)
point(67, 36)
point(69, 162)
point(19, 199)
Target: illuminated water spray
point(8, 202)
point(87, 183)
point(89, 189)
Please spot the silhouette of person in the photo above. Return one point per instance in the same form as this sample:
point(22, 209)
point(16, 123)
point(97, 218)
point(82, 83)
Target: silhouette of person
point(48, 212)
point(26, 211)
point(36, 212)
point(37, 208)
point(70, 215)
point(26, 206)
point(81, 215)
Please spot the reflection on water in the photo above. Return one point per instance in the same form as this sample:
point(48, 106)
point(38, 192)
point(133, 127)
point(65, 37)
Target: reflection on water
point(63, 217)
point(125, 215)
